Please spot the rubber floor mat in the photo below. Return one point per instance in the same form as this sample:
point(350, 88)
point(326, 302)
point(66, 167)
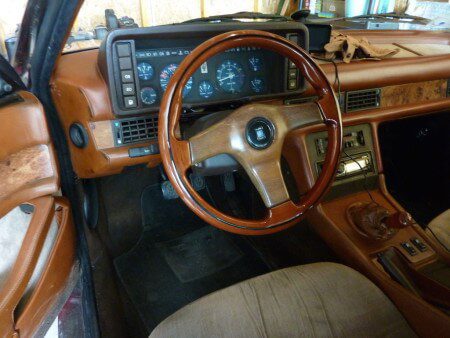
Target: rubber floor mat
point(160, 277)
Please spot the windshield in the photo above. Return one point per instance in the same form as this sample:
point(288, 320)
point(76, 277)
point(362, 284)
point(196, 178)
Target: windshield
point(96, 17)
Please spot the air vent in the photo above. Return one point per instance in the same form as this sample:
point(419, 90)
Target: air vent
point(135, 130)
point(448, 88)
point(362, 99)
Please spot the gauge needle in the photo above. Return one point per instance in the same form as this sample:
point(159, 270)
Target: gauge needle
point(226, 78)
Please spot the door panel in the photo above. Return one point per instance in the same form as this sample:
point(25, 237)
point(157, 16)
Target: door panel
point(27, 163)
point(29, 175)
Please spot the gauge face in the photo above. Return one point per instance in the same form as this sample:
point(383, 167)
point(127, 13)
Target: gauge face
point(145, 70)
point(148, 95)
point(230, 76)
point(167, 73)
point(257, 85)
point(255, 63)
point(205, 89)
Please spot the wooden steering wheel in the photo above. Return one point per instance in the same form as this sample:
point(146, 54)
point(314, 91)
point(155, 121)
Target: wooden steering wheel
point(253, 134)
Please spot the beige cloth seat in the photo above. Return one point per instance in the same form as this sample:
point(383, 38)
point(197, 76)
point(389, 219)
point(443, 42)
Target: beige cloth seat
point(441, 228)
point(316, 300)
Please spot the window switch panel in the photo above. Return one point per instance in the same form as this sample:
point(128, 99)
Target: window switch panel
point(409, 248)
point(419, 244)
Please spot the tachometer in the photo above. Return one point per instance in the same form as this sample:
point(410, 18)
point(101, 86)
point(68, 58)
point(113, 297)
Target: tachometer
point(205, 89)
point(230, 76)
point(257, 85)
point(167, 73)
point(255, 63)
point(148, 95)
point(145, 70)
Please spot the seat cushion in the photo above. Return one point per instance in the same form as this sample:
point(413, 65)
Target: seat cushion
point(322, 299)
point(440, 226)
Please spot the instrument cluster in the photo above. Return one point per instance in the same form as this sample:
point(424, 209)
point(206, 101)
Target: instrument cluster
point(236, 73)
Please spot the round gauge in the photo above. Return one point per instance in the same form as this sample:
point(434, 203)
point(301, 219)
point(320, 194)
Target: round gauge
point(257, 85)
point(230, 76)
point(145, 70)
point(167, 73)
point(148, 95)
point(255, 63)
point(205, 89)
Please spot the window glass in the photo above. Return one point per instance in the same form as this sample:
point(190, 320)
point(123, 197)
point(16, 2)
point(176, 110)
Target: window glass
point(11, 13)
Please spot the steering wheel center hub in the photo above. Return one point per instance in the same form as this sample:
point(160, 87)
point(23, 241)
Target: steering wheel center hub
point(260, 133)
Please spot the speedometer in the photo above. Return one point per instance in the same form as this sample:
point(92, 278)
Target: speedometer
point(230, 76)
point(167, 73)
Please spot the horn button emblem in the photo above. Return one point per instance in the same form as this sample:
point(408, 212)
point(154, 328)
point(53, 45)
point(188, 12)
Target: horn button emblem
point(260, 133)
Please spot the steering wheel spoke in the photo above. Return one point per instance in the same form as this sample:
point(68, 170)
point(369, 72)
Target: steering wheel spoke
point(268, 179)
point(212, 141)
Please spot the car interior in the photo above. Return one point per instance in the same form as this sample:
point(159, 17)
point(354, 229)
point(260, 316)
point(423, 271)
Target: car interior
point(241, 175)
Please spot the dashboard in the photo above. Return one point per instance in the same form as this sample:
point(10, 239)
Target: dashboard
point(139, 63)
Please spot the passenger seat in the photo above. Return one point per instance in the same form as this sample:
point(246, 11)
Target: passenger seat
point(440, 226)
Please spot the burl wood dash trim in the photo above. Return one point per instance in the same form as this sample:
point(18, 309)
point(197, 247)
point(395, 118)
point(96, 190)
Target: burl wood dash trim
point(411, 93)
point(24, 168)
point(103, 134)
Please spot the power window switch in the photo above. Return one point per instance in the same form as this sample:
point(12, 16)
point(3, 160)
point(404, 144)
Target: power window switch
point(130, 101)
point(419, 244)
point(409, 248)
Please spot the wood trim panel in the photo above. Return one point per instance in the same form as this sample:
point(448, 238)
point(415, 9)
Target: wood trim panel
point(102, 133)
point(26, 167)
point(410, 93)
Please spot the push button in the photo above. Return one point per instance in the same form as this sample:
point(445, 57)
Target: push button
point(419, 244)
point(128, 89)
point(127, 76)
point(292, 84)
point(152, 149)
point(292, 74)
point(123, 49)
point(130, 101)
point(125, 63)
point(409, 248)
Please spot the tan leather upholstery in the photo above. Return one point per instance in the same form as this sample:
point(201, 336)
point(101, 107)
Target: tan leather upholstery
point(441, 228)
point(323, 299)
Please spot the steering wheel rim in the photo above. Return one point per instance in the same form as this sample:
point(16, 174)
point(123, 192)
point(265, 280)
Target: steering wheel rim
point(177, 155)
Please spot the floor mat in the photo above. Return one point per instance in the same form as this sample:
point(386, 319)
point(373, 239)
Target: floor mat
point(156, 287)
point(195, 255)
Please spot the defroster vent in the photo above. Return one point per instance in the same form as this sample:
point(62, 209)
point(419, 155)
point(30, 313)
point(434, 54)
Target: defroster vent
point(362, 99)
point(135, 130)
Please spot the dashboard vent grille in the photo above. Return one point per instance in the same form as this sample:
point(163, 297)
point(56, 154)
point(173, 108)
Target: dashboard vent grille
point(136, 130)
point(362, 99)
point(448, 88)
